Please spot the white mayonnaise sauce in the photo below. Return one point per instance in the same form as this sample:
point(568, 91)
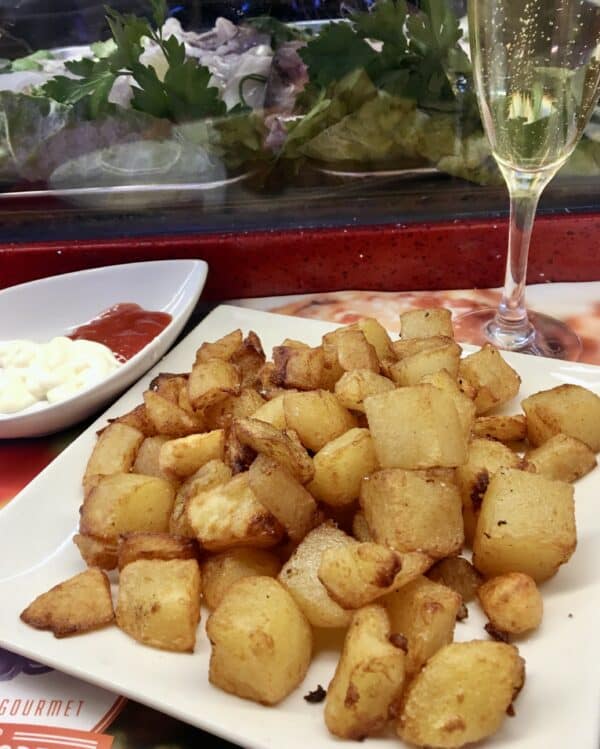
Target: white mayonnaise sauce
point(50, 372)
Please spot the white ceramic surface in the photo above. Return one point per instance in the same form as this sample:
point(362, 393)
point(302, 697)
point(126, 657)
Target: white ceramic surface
point(558, 707)
point(53, 306)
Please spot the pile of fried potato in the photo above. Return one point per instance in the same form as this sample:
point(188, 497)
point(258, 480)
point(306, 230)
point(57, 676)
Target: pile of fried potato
point(335, 487)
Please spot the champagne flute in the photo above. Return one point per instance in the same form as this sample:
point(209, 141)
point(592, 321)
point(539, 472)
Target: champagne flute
point(537, 78)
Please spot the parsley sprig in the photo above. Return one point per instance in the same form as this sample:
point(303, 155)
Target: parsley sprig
point(184, 93)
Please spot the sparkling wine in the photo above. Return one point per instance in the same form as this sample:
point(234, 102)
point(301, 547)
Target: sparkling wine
point(537, 72)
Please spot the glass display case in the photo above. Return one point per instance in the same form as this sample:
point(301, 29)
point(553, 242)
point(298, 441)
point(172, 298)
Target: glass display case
point(203, 119)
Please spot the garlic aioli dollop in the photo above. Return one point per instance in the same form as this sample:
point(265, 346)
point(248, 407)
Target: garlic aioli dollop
point(50, 372)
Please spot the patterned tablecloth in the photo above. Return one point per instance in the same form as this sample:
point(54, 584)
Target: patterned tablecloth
point(37, 703)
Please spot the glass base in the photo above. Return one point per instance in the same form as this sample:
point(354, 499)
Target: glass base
point(545, 337)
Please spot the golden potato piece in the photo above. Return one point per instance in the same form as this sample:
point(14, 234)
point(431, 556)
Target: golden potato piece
point(416, 427)
point(212, 381)
point(220, 571)
point(224, 348)
point(114, 452)
point(273, 413)
point(284, 496)
point(134, 546)
point(266, 439)
point(249, 359)
point(169, 418)
point(159, 602)
point(138, 419)
point(356, 575)
point(340, 466)
point(230, 515)
point(562, 458)
point(261, 642)
point(425, 613)
point(459, 575)
point(377, 336)
point(512, 603)
point(301, 368)
point(317, 417)
point(221, 414)
point(353, 387)
point(300, 576)
point(495, 381)
point(96, 552)
point(526, 524)
point(570, 409)
point(211, 474)
point(462, 695)
point(354, 350)
point(411, 369)
point(484, 458)
point(360, 527)
point(146, 461)
point(77, 605)
point(366, 688)
point(501, 428)
point(464, 405)
point(410, 513)
point(180, 458)
point(124, 502)
point(426, 322)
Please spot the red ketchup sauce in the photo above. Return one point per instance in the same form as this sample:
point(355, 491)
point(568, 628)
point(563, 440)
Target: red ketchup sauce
point(125, 328)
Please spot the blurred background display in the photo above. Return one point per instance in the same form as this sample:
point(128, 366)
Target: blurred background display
point(203, 116)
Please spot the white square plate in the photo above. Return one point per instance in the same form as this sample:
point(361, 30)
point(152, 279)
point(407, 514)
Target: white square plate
point(558, 708)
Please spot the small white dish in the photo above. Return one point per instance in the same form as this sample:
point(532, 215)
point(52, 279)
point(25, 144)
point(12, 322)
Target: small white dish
point(40, 310)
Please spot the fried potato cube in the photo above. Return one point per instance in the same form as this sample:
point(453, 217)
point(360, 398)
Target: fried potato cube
point(224, 348)
point(562, 458)
point(229, 515)
point(159, 602)
point(169, 418)
point(410, 513)
point(266, 439)
point(283, 495)
point(221, 571)
point(168, 385)
point(377, 336)
point(114, 452)
point(124, 502)
point(77, 605)
point(212, 381)
point(146, 461)
point(354, 350)
point(273, 413)
point(96, 552)
point(427, 322)
point(181, 457)
point(134, 546)
point(300, 576)
point(501, 428)
point(495, 381)
point(138, 419)
point(411, 369)
point(353, 387)
point(365, 690)
point(358, 574)
point(360, 527)
point(570, 409)
point(249, 358)
point(459, 575)
point(211, 474)
point(464, 405)
point(317, 417)
point(261, 642)
point(462, 695)
point(411, 346)
point(416, 427)
point(221, 414)
point(298, 367)
point(340, 466)
point(526, 524)
point(512, 603)
point(484, 458)
point(425, 613)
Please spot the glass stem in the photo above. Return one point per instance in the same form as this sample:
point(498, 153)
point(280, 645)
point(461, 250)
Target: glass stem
point(511, 327)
